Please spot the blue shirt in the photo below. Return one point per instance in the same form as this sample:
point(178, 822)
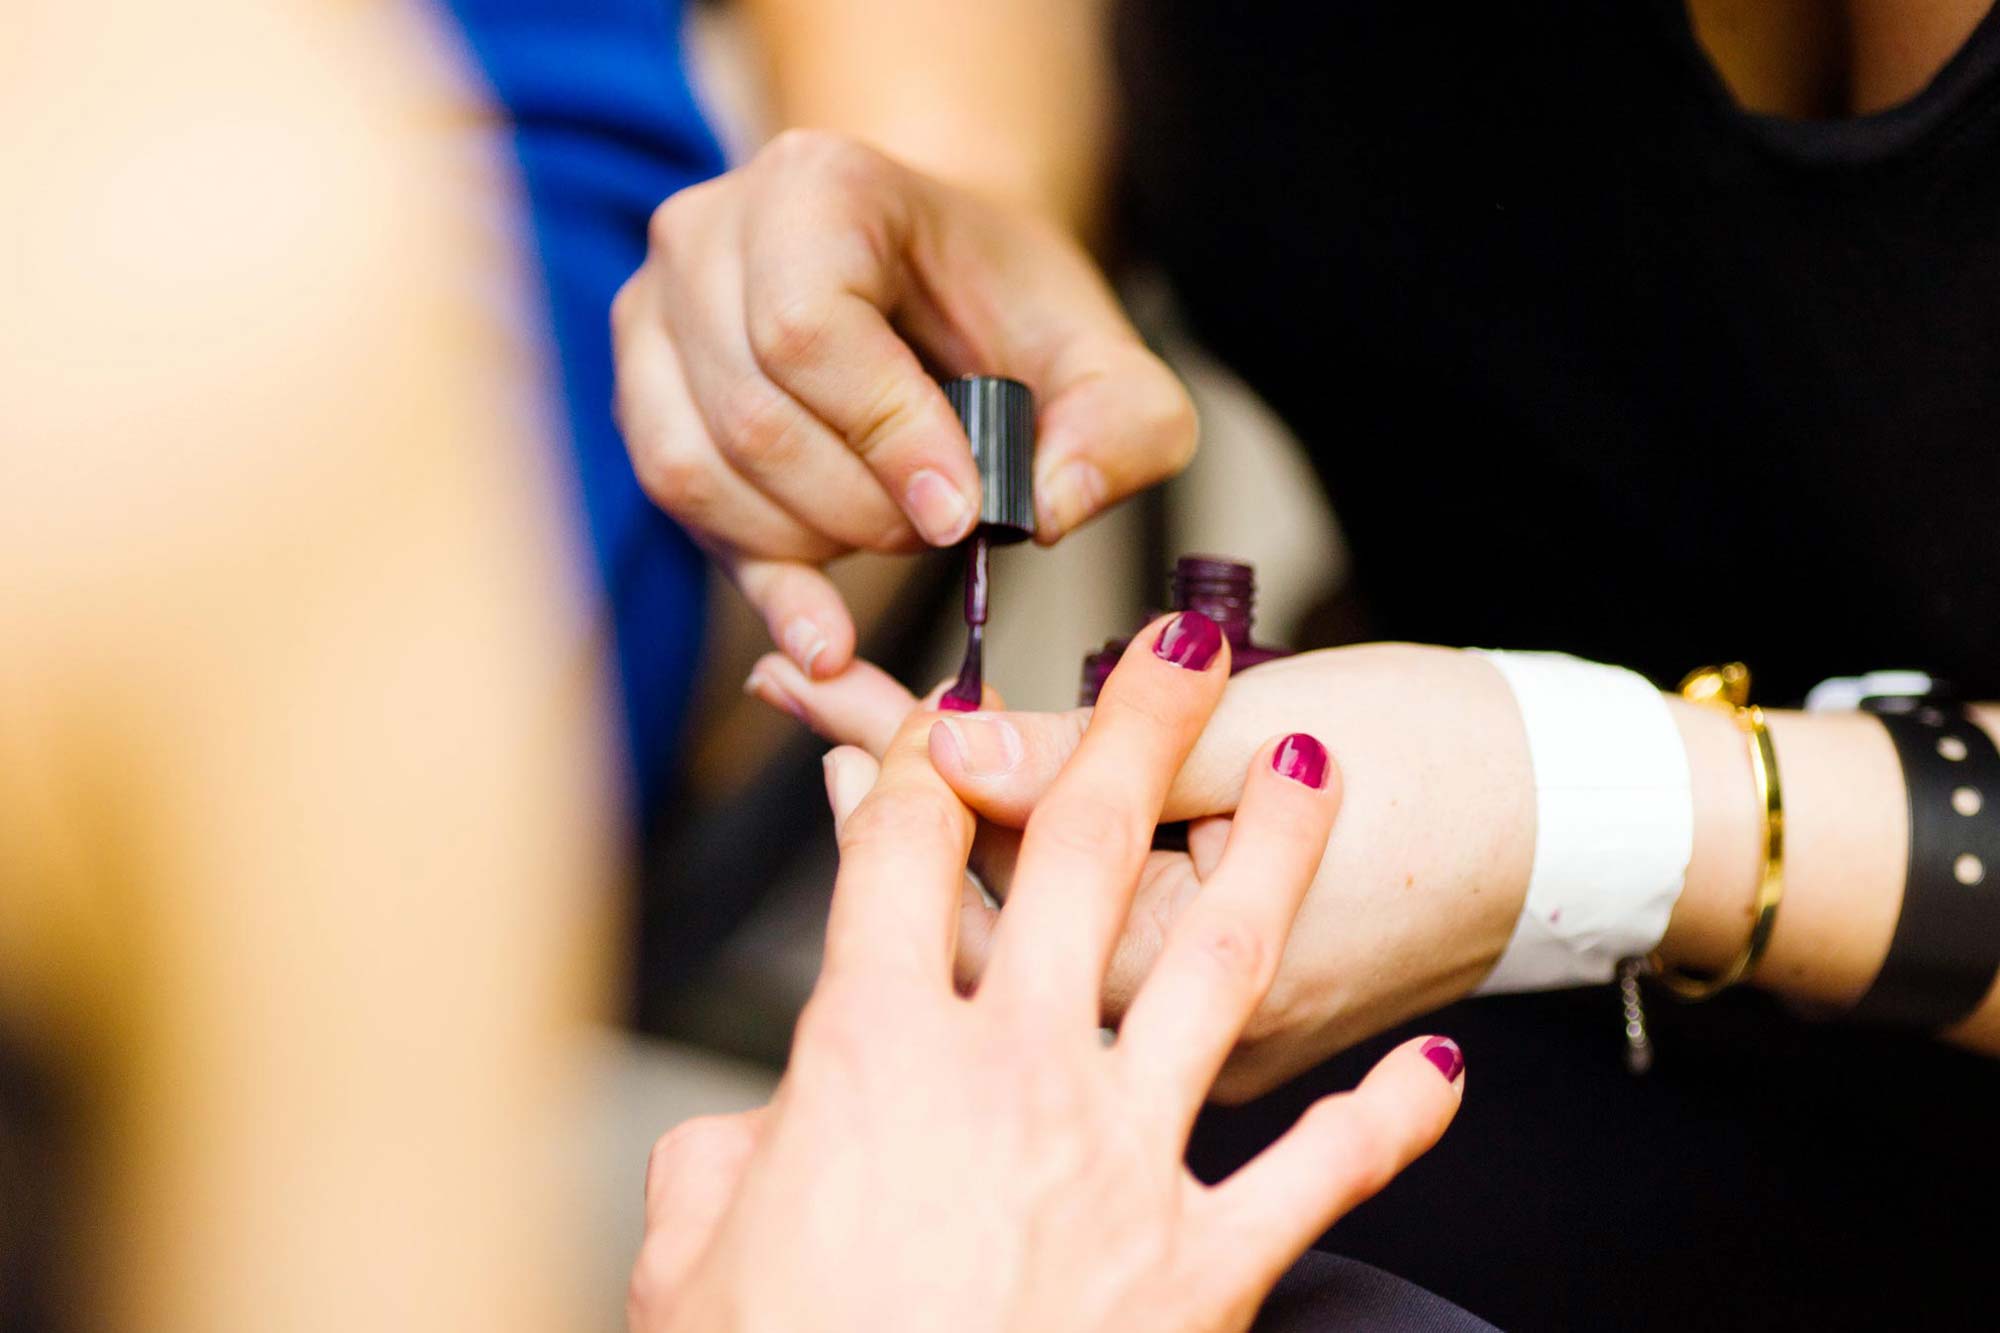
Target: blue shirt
point(604, 126)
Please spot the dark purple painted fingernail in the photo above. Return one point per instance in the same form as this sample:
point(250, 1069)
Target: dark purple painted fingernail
point(1189, 640)
point(1444, 1053)
point(1302, 759)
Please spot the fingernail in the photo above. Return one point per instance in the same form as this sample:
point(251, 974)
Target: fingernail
point(804, 643)
point(1302, 759)
point(844, 782)
point(987, 747)
point(1071, 494)
point(941, 514)
point(1443, 1052)
point(1189, 640)
point(762, 687)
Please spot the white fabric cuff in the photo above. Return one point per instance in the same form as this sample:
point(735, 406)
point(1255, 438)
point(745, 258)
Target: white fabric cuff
point(1614, 821)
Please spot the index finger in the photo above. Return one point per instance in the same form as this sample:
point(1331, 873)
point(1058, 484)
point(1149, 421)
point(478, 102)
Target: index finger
point(1085, 844)
point(902, 859)
point(824, 269)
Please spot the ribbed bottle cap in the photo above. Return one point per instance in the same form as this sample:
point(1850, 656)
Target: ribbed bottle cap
point(999, 419)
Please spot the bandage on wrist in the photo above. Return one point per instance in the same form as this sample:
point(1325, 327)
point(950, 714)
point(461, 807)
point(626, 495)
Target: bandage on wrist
point(1614, 821)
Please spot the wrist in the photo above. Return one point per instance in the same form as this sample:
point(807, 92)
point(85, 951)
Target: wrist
point(1846, 837)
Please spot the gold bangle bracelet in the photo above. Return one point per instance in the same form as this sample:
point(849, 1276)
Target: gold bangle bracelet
point(1728, 686)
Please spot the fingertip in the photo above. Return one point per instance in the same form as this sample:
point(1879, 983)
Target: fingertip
point(766, 683)
point(939, 508)
point(803, 613)
point(947, 755)
point(1186, 639)
point(1068, 494)
point(849, 775)
point(820, 644)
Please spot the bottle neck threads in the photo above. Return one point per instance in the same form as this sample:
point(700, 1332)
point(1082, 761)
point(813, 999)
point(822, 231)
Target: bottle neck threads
point(1223, 590)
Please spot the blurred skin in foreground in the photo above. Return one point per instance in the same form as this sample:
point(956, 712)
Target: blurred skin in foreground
point(302, 768)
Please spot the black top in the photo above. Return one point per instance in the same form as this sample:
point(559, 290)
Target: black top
point(1591, 359)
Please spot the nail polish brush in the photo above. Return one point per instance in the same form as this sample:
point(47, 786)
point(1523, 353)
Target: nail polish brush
point(999, 419)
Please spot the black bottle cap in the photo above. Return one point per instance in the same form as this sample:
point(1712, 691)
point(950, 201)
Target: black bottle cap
point(999, 419)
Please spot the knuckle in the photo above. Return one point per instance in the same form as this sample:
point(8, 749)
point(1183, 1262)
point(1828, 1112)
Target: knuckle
point(903, 819)
point(1232, 950)
point(759, 427)
point(1171, 419)
point(883, 419)
point(787, 332)
point(678, 480)
point(624, 303)
point(1088, 827)
point(819, 151)
point(667, 226)
point(702, 1137)
point(650, 1293)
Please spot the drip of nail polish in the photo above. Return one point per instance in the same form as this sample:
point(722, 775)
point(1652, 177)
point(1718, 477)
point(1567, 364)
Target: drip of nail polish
point(999, 420)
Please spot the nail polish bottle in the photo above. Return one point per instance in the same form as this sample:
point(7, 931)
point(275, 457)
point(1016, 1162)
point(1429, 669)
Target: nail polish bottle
point(1225, 591)
point(999, 419)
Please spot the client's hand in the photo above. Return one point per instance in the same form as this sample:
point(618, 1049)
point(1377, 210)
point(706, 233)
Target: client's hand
point(932, 1161)
point(1421, 883)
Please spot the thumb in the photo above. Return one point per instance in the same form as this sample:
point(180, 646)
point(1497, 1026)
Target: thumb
point(691, 1178)
point(1117, 422)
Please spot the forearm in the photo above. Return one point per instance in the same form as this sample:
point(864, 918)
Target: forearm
point(1008, 97)
point(1846, 845)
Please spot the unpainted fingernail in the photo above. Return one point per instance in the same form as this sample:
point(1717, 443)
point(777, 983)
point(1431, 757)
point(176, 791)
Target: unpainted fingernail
point(761, 686)
point(941, 513)
point(1190, 640)
point(846, 783)
point(804, 642)
point(1443, 1053)
point(1302, 759)
point(1071, 494)
point(987, 747)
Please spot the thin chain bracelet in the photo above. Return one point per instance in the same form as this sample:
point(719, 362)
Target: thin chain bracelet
point(1638, 1042)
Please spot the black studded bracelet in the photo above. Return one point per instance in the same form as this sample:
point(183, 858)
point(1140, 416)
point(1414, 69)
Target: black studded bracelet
point(1945, 952)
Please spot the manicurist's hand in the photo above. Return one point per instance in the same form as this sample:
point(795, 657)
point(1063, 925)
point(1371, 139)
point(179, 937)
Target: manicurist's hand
point(933, 1160)
point(1422, 880)
point(777, 356)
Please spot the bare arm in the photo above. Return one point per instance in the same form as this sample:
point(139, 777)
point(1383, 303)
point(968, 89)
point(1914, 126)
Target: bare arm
point(1009, 97)
point(1847, 840)
point(300, 797)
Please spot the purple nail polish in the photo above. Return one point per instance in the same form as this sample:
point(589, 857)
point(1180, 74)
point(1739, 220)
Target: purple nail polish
point(1302, 759)
point(1443, 1052)
point(1190, 640)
